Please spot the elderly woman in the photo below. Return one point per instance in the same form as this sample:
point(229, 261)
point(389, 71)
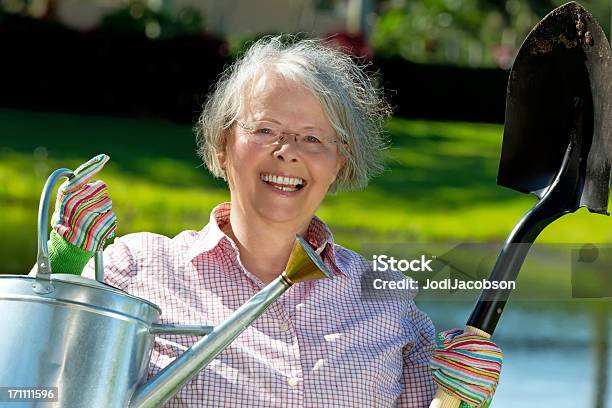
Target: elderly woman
point(284, 126)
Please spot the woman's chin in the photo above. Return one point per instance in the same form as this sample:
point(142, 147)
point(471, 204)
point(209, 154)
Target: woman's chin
point(283, 213)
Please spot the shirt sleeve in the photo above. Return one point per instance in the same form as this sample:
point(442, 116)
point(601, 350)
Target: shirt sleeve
point(119, 265)
point(418, 387)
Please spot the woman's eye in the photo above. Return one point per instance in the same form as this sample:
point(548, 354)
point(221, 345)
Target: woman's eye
point(265, 131)
point(311, 139)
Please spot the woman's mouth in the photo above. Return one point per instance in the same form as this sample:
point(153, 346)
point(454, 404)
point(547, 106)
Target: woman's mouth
point(283, 183)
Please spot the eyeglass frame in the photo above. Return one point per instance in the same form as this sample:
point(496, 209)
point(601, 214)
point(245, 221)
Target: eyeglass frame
point(250, 130)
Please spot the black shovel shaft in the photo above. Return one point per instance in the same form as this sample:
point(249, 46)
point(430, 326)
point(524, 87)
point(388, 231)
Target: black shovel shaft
point(560, 199)
point(491, 303)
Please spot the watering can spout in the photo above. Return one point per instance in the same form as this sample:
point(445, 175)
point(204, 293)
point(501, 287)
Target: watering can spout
point(304, 264)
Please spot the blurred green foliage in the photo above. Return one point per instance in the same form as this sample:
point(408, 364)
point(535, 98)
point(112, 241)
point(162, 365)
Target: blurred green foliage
point(156, 22)
point(141, 17)
point(465, 32)
point(20, 7)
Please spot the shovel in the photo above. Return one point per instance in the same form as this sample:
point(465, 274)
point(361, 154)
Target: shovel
point(557, 142)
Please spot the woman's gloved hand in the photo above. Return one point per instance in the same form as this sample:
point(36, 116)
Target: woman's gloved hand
point(83, 218)
point(467, 366)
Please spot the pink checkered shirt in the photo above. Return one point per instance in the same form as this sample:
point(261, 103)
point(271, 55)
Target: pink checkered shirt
point(320, 345)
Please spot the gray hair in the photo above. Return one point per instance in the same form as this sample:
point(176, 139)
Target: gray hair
point(353, 104)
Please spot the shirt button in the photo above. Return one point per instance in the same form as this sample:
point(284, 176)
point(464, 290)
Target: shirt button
point(284, 326)
point(293, 381)
point(299, 306)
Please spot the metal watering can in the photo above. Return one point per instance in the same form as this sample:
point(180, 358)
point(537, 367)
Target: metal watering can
point(93, 341)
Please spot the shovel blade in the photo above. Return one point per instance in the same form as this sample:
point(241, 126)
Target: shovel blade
point(565, 57)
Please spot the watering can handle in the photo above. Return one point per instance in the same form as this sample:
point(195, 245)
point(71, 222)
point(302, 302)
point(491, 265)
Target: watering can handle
point(99, 265)
point(42, 282)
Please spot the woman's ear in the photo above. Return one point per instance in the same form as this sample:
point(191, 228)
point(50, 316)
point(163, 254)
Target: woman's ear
point(222, 153)
point(341, 162)
point(342, 158)
point(221, 157)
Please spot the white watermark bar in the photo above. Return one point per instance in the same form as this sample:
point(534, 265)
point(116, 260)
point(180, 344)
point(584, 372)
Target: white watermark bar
point(28, 394)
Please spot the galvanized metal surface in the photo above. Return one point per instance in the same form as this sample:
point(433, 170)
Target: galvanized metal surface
point(91, 342)
point(99, 265)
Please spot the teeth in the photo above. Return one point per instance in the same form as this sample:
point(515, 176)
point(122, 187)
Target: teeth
point(287, 181)
point(283, 188)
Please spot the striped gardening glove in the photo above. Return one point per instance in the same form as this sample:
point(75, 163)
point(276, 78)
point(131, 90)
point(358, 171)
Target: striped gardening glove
point(83, 219)
point(467, 366)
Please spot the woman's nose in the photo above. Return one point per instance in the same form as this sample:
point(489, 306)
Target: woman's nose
point(287, 148)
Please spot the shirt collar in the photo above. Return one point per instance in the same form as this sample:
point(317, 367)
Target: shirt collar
point(210, 236)
point(318, 236)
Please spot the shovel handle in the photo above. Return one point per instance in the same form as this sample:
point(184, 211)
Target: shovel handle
point(443, 399)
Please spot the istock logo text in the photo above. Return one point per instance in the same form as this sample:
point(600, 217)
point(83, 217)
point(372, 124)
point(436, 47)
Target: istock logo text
point(384, 263)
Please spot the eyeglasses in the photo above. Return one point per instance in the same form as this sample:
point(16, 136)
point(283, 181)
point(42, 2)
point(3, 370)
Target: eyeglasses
point(268, 134)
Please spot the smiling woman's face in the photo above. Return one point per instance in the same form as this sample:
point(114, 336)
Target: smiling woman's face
point(254, 171)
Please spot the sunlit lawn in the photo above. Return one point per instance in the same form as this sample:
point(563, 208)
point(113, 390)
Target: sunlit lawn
point(440, 183)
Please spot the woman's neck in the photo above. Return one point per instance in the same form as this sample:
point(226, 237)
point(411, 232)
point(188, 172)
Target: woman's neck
point(264, 247)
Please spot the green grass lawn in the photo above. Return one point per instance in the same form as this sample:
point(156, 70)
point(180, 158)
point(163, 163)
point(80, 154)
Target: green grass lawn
point(440, 183)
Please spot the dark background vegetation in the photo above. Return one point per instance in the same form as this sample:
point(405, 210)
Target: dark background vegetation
point(50, 67)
